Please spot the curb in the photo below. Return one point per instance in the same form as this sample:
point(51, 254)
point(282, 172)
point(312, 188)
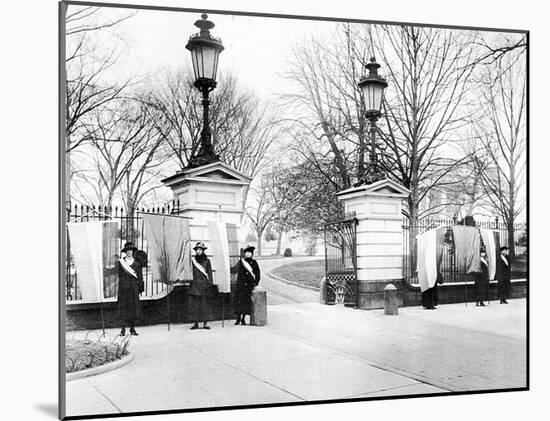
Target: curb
point(100, 369)
point(296, 284)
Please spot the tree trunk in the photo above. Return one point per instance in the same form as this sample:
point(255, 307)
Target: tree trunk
point(279, 238)
point(413, 230)
point(511, 239)
point(67, 173)
point(259, 233)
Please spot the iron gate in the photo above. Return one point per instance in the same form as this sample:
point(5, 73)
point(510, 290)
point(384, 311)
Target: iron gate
point(341, 261)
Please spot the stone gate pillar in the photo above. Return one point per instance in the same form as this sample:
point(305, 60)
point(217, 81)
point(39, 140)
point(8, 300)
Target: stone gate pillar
point(213, 192)
point(378, 209)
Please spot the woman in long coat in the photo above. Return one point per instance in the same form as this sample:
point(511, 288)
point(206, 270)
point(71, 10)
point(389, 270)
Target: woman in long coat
point(248, 276)
point(200, 287)
point(481, 289)
point(503, 276)
point(130, 285)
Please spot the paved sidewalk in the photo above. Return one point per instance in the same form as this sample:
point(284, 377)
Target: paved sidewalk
point(311, 352)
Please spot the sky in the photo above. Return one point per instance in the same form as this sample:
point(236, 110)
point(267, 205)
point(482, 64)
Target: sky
point(256, 48)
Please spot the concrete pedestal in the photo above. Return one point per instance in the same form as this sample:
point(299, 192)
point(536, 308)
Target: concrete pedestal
point(213, 192)
point(377, 207)
point(323, 290)
point(258, 316)
point(391, 302)
point(212, 196)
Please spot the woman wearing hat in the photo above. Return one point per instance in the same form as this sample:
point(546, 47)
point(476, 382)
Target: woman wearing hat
point(248, 276)
point(130, 285)
point(503, 276)
point(481, 288)
point(202, 280)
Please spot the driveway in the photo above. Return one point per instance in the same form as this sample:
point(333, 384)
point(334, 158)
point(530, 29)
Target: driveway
point(283, 293)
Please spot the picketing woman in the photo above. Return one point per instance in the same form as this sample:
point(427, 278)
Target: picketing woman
point(200, 287)
point(248, 276)
point(130, 285)
point(481, 288)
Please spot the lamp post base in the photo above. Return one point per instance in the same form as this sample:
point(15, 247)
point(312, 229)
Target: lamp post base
point(372, 174)
point(203, 159)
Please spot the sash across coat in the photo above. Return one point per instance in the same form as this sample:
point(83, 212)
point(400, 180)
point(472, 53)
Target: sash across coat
point(246, 282)
point(201, 282)
point(503, 276)
point(128, 291)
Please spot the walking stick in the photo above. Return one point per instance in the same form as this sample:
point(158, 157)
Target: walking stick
point(465, 292)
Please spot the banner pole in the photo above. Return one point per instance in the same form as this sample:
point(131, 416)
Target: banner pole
point(168, 304)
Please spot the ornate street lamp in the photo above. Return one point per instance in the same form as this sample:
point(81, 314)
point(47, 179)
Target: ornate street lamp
point(205, 51)
point(373, 93)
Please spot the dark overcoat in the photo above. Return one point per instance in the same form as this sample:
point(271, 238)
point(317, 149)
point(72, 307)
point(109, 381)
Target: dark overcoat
point(481, 288)
point(201, 283)
point(503, 276)
point(128, 292)
point(245, 284)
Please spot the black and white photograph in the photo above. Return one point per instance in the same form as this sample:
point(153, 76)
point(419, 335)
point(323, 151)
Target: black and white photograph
point(275, 210)
point(266, 210)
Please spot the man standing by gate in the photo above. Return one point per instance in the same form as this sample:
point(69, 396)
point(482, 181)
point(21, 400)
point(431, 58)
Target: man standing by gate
point(503, 276)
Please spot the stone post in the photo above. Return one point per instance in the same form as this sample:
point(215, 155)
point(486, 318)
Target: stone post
point(323, 290)
point(258, 316)
point(391, 301)
point(213, 192)
point(377, 207)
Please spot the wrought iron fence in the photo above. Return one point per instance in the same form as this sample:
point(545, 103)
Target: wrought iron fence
point(341, 260)
point(448, 265)
point(130, 229)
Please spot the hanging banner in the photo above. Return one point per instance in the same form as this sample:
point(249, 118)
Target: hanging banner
point(488, 238)
point(169, 247)
point(86, 249)
point(466, 241)
point(427, 259)
point(111, 254)
point(218, 249)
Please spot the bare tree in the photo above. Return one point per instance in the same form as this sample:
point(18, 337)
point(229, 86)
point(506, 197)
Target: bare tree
point(86, 19)
point(425, 107)
point(243, 128)
point(261, 214)
point(285, 192)
point(85, 67)
point(502, 138)
point(328, 107)
point(496, 49)
point(124, 144)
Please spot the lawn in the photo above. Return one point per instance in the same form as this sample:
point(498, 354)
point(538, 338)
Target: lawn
point(306, 273)
point(83, 354)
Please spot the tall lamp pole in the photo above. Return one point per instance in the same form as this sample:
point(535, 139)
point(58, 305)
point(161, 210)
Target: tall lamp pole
point(205, 51)
point(373, 87)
